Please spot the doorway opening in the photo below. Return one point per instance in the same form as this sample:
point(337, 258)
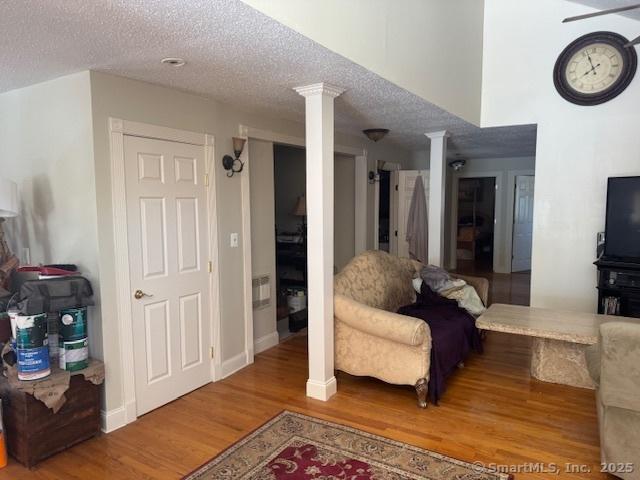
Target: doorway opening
point(289, 174)
point(476, 224)
point(289, 229)
point(384, 210)
point(522, 223)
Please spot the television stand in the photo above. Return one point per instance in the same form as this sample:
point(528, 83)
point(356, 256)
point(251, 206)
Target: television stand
point(618, 288)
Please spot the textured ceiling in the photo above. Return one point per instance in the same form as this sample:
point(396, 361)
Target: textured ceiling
point(605, 4)
point(234, 54)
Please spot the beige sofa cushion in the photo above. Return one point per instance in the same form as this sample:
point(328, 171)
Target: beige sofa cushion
point(378, 280)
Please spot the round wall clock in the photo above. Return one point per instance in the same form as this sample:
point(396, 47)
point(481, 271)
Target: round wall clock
point(595, 68)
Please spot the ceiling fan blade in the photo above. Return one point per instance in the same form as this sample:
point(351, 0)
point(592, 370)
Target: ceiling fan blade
point(633, 42)
point(603, 12)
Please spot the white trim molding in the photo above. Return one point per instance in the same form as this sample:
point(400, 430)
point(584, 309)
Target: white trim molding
point(497, 213)
point(283, 139)
point(322, 390)
point(319, 89)
point(247, 276)
point(266, 342)
point(234, 364)
point(118, 128)
point(361, 210)
point(511, 194)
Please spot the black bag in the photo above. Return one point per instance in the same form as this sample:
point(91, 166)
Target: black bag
point(52, 295)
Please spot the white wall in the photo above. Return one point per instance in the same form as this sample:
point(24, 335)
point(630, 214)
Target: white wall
point(143, 102)
point(54, 142)
point(419, 160)
point(46, 146)
point(499, 168)
point(577, 147)
point(344, 211)
point(432, 48)
point(263, 240)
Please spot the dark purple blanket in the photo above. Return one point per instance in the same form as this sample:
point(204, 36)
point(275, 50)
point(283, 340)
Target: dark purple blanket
point(453, 333)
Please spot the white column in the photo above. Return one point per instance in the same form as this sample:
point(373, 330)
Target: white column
point(437, 192)
point(319, 126)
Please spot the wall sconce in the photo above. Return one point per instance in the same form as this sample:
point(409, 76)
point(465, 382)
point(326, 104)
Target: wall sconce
point(373, 177)
point(230, 163)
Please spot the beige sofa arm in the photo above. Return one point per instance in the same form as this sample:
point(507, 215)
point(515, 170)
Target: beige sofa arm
point(620, 364)
point(480, 284)
point(379, 323)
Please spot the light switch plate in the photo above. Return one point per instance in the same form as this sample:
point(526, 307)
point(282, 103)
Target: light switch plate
point(233, 240)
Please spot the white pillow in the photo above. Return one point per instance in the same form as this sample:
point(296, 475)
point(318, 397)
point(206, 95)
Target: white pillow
point(417, 284)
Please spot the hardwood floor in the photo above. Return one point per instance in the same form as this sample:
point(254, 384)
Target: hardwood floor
point(492, 412)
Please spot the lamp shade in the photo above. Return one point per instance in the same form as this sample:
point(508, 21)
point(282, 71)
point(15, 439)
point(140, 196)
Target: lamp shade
point(300, 210)
point(8, 198)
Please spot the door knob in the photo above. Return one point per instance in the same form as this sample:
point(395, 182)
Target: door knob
point(138, 294)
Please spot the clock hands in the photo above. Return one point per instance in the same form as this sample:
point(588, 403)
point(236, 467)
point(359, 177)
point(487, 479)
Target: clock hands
point(589, 57)
point(593, 69)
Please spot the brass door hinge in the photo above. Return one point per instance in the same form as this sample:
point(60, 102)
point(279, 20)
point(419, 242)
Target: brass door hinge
point(210, 266)
point(212, 352)
point(206, 179)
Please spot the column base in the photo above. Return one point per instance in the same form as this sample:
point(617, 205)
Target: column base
point(322, 390)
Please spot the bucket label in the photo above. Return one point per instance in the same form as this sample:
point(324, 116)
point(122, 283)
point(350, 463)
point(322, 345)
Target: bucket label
point(31, 331)
point(74, 355)
point(73, 324)
point(33, 360)
point(32, 346)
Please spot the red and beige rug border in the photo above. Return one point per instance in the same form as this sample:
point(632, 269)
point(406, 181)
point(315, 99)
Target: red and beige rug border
point(267, 424)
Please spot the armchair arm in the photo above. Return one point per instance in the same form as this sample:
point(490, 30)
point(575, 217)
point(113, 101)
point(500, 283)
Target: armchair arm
point(620, 364)
point(379, 323)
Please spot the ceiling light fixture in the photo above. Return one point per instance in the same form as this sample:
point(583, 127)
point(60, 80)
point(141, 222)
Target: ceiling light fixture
point(457, 164)
point(376, 134)
point(173, 61)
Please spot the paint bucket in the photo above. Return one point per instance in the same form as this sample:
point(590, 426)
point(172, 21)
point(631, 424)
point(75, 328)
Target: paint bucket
point(32, 345)
point(52, 323)
point(13, 317)
point(296, 300)
point(73, 344)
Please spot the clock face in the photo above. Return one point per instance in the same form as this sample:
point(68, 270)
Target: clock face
point(595, 68)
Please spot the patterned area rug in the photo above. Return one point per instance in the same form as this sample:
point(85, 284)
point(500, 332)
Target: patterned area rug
point(297, 447)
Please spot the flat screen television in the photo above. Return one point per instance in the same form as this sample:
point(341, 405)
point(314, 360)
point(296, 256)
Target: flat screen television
point(622, 231)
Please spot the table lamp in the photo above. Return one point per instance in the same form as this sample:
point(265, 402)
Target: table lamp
point(300, 210)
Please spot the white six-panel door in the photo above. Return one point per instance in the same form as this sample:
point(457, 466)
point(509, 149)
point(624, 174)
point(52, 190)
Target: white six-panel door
point(406, 180)
point(168, 245)
point(523, 223)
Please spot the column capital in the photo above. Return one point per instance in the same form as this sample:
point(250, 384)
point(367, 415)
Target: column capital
point(319, 89)
point(438, 134)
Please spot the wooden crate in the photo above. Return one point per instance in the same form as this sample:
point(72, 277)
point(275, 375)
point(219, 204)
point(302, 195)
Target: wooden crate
point(33, 432)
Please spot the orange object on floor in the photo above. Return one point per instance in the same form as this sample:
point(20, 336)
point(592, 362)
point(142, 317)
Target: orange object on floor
point(3, 444)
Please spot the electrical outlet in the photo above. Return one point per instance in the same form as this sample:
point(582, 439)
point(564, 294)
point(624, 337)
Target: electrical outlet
point(233, 240)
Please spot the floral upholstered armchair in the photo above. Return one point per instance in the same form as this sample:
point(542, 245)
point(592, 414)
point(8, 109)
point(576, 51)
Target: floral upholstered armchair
point(370, 338)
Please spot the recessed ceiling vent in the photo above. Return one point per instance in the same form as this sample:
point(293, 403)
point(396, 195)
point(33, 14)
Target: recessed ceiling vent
point(173, 61)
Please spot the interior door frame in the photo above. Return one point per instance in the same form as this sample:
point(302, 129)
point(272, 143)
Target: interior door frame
point(511, 198)
point(389, 167)
point(497, 212)
point(360, 193)
point(118, 128)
